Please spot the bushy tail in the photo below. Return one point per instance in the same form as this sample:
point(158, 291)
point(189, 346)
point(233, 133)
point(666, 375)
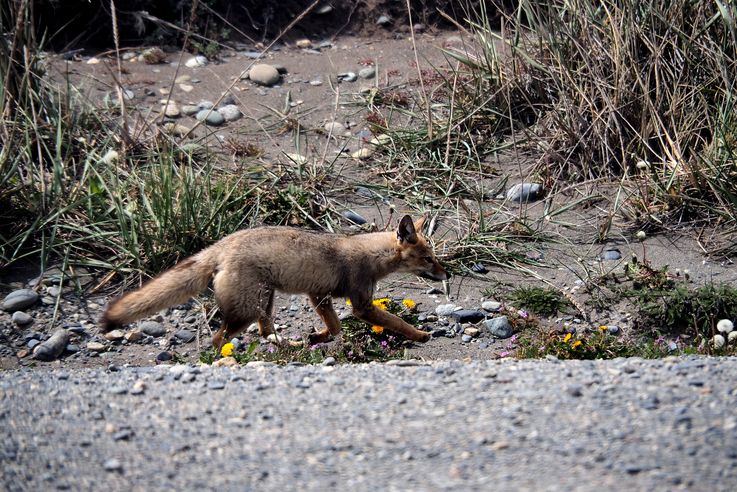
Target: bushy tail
point(174, 286)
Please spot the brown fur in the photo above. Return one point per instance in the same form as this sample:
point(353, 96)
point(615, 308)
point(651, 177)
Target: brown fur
point(247, 267)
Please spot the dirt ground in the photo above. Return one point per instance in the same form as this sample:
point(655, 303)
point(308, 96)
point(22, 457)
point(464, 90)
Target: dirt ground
point(311, 94)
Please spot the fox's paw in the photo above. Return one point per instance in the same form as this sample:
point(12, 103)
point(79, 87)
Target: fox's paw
point(422, 336)
point(318, 337)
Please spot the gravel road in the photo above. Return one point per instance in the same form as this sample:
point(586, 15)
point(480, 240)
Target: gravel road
point(624, 424)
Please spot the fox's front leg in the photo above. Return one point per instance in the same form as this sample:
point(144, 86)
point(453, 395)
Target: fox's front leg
point(376, 316)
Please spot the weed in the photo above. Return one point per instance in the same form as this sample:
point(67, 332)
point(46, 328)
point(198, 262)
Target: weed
point(539, 300)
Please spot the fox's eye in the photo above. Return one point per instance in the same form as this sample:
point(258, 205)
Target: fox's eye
point(428, 259)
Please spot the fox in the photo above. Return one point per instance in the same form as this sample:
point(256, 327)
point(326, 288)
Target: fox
point(247, 268)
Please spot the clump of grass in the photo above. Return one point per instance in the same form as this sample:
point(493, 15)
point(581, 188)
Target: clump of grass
point(539, 300)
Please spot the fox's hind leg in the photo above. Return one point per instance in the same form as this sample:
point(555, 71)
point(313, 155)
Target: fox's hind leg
point(266, 313)
point(240, 307)
point(324, 308)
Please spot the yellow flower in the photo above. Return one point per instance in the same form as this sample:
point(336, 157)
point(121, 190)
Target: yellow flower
point(576, 344)
point(603, 328)
point(409, 304)
point(377, 329)
point(382, 303)
point(348, 302)
point(566, 338)
point(227, 350)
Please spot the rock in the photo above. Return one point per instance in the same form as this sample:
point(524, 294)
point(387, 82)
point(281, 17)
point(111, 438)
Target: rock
point(472, 332)
point(182, 79)
point(491, 306)
point(254, 55)
point(439, 332)
point(185, 336)
point(363, 153)
point(53, 347)
point(383, 20)
point(334, 128)
point(353, 217)
point(328, 361)
point(171, 110)
point(367, 73)
point(445, 309)
point(230, 112)
point(205, 104)
point(176, 130)
point(225, 362)
point(228, 100)
point(196, 61)
point(190, 110)
point(20, 299)
point(215, 384)
point(575, 390)
point(113, 465)
point(479, 268)
point(315, 82)
point(347, 77)
point(93, 61)
point(725, 326)
point(211, 117)
point(72, 348)
point(405, 362)
point(303, 43)
point(95, 347)
point(466, 338)
point(21, 319)
point(499, 327)
point(33, 343)
point(525, 192)
point(186, 87)
point(138, 387)
point(611, 254)
point(114, 335)
point(325, 9)
point(152, 56)
point(467, 315)
point(264, 74)
point(613, 329)
point(153, 328)
point(53, 291)
point(164, 356)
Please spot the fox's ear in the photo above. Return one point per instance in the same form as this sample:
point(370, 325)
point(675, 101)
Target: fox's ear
point(419, 223)
point(406, 230)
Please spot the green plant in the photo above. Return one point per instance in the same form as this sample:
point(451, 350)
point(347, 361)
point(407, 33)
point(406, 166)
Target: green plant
point(539, 300)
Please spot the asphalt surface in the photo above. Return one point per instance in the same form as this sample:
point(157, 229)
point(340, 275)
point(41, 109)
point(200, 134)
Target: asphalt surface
point(625, 424)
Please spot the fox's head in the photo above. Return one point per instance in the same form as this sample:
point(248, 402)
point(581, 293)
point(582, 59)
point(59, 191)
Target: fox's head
point(416, 254)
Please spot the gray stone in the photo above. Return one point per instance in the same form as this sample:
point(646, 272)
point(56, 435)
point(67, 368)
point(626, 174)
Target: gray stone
point(611, 254)
point(190, 110)
point(499, 327)
point(347, 77)
point(445, 309)
point(491, 306)
point(153, 328)
point(53, 347)
point(367, 73)
point(383, 20)
point(328, 361)
point(113, 465)
point(353, 217)
point(334, 128)
point(230, 112)
point(215, 384)
point(20, 299)
point(264, 74)
point(185, 336)
point(466, 338)
point(525, 192)
point(21, 319)
point(196, 61)
point(467, 315)
point(211, 117)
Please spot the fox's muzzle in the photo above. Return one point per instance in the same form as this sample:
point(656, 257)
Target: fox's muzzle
point(443, 275)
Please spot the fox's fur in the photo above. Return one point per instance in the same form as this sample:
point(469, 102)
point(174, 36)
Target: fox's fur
point(247, 267)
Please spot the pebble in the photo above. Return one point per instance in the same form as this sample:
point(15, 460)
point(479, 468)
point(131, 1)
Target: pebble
point(93, 61)
point(152, 56)
point(20, 299)
point(525, 192)
point(353, 217)
point(334, 128)
point(113, 465)
point(186, 87)
point(211, 117)
point(264, 74)
point(479, 268)
point(182, 79)
point(164, 356)
point(190, 110)
point(171, 110)
point(466, 338)
point(53, 347)
point(499, 327)
point(467, 315)
point(215, 384)
point(472, 332)
point(328, 361)
point(316, 82)
point(153, 328)
point(176, 130)
point(230, 112)
point(367, 73)
point(303, 43)
point(185, 336)
point(196, 61)
point(613, 329)
point(383, 20)
point(225, 362)
point(114, 335)
point(95, 346)
point(254, 55)
point(363, 153)
point(21, 319)
point(611, 254)
point(445, 309)
point(491, 306)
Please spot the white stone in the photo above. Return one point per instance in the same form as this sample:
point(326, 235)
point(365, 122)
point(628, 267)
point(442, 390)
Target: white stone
point(264, 74)
point(196, 61)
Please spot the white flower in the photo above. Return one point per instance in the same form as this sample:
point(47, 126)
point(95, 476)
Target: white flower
point(725, 326)
point(110, 157)
point(641, 235)
point(717, 341)
point(732, 336)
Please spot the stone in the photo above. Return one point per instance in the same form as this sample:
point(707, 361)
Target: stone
point(210, 117)
point(215, 384)
point(190, 110)
point(334, 128)
point(113, 465)
point(20, 299)
point(225, 362)
point(363, 153)
point(466, 338)
point(153, 328)
point(367, 73)
point(525, 192)
point(164, 356)
point(196, 61)
point(95, 347)
point(93, 61)
point(185, 336)
point(315, 82)
point(53, 347)
point(152, 56)
point(499, 327)
point(328, 361)
point(445, 309)
point(264, 74)
point(472, 332)
point(347, 77)
point(21, 319)
point(479, 268)
point(230, 112)
point(176, 130)
point(182, 79)
point(491, 306)
point(353, 217)
point(303, 43)
point(467, 315)
point(171, 110)
point(383, 20)
point(115, 335)
point(611, 254)
point(186, 87)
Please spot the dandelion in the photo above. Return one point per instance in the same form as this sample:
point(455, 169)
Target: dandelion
point(641, 235)
point(382, 303)
point(603, 328)
point(409, 304)
point(377, 329)
point(566, 338)
point(227, 349)
point(348, 302)
point(576, 344)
